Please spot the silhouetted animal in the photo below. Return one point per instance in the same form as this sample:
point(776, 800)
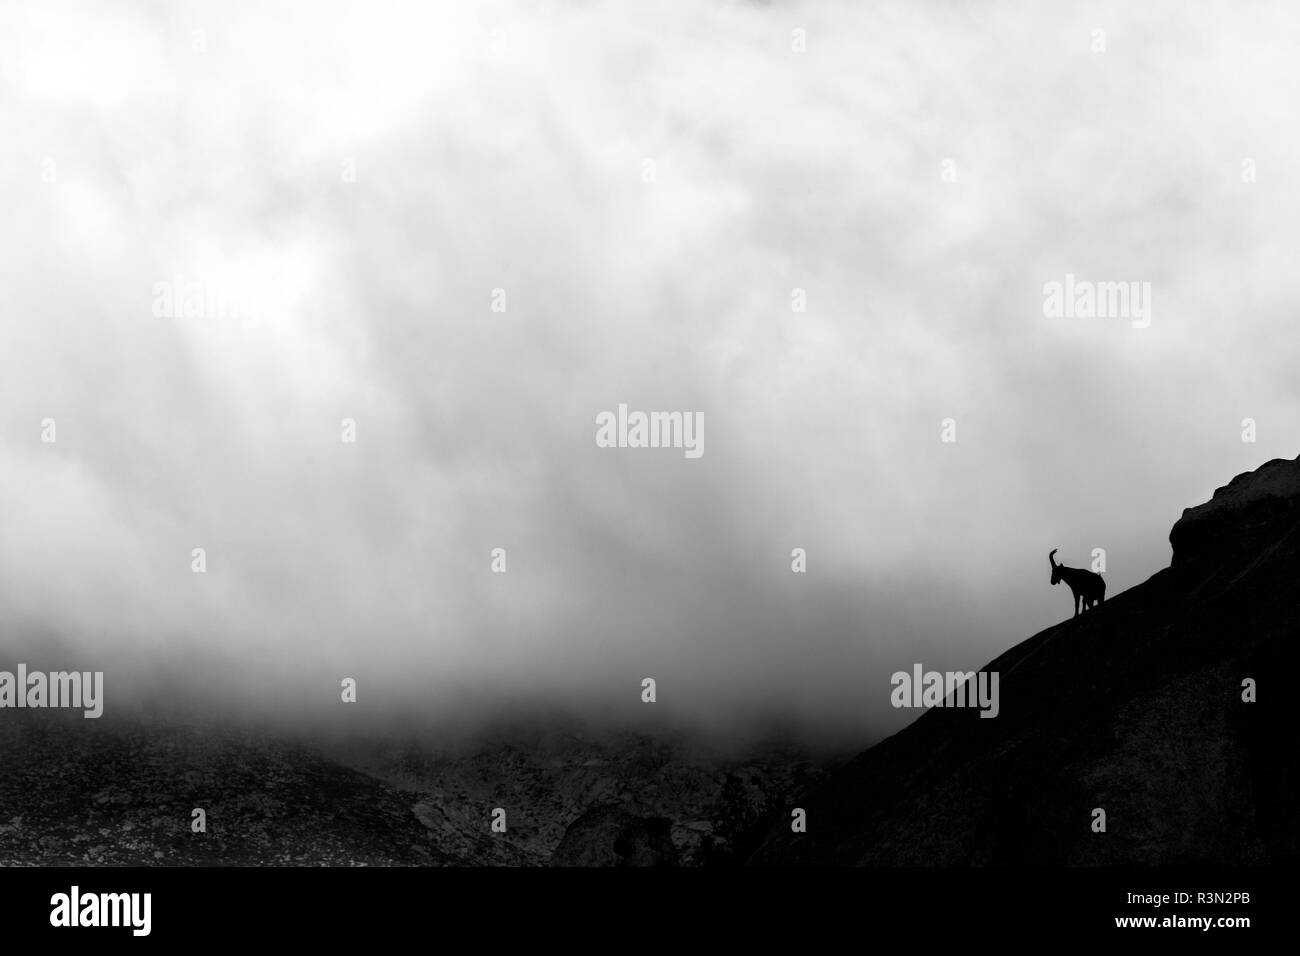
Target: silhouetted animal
point(1088, 586)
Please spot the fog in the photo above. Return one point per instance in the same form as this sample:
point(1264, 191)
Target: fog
point(648, 185)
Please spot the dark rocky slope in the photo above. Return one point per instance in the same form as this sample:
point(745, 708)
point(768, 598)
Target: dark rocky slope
point(121, 793)
point(572, 794)
point(1135, 708)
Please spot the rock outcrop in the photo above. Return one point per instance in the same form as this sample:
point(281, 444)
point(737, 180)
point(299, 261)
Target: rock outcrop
point(1242, 515)
point(616, 835)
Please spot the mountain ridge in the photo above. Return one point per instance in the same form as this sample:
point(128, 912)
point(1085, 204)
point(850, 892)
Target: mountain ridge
point(1135, 708)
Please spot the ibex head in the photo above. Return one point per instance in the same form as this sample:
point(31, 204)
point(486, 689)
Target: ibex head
point(1056, 568)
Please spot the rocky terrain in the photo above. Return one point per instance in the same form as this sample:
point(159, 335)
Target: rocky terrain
point(716, 803)
point(123, 792)
point(75, 791)
point(1136, 708)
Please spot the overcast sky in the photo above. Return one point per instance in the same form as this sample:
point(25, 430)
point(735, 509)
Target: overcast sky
point(366, 174)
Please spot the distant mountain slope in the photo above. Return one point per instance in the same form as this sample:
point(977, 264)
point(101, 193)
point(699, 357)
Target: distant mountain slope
point(563, 786)
point(97, 792)
point(1135, 708)
point(121, 792)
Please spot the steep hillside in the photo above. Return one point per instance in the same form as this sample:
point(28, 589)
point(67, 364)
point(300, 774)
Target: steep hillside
point(1135, 708)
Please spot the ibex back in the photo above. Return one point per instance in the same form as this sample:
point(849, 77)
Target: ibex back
point(1089, 588)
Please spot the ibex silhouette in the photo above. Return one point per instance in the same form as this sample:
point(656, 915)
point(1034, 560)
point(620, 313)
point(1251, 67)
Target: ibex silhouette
point(1088, 587)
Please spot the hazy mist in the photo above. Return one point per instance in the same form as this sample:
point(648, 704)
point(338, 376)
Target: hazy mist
point(369, 174)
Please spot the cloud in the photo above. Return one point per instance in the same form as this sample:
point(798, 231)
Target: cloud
point(368, 177)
